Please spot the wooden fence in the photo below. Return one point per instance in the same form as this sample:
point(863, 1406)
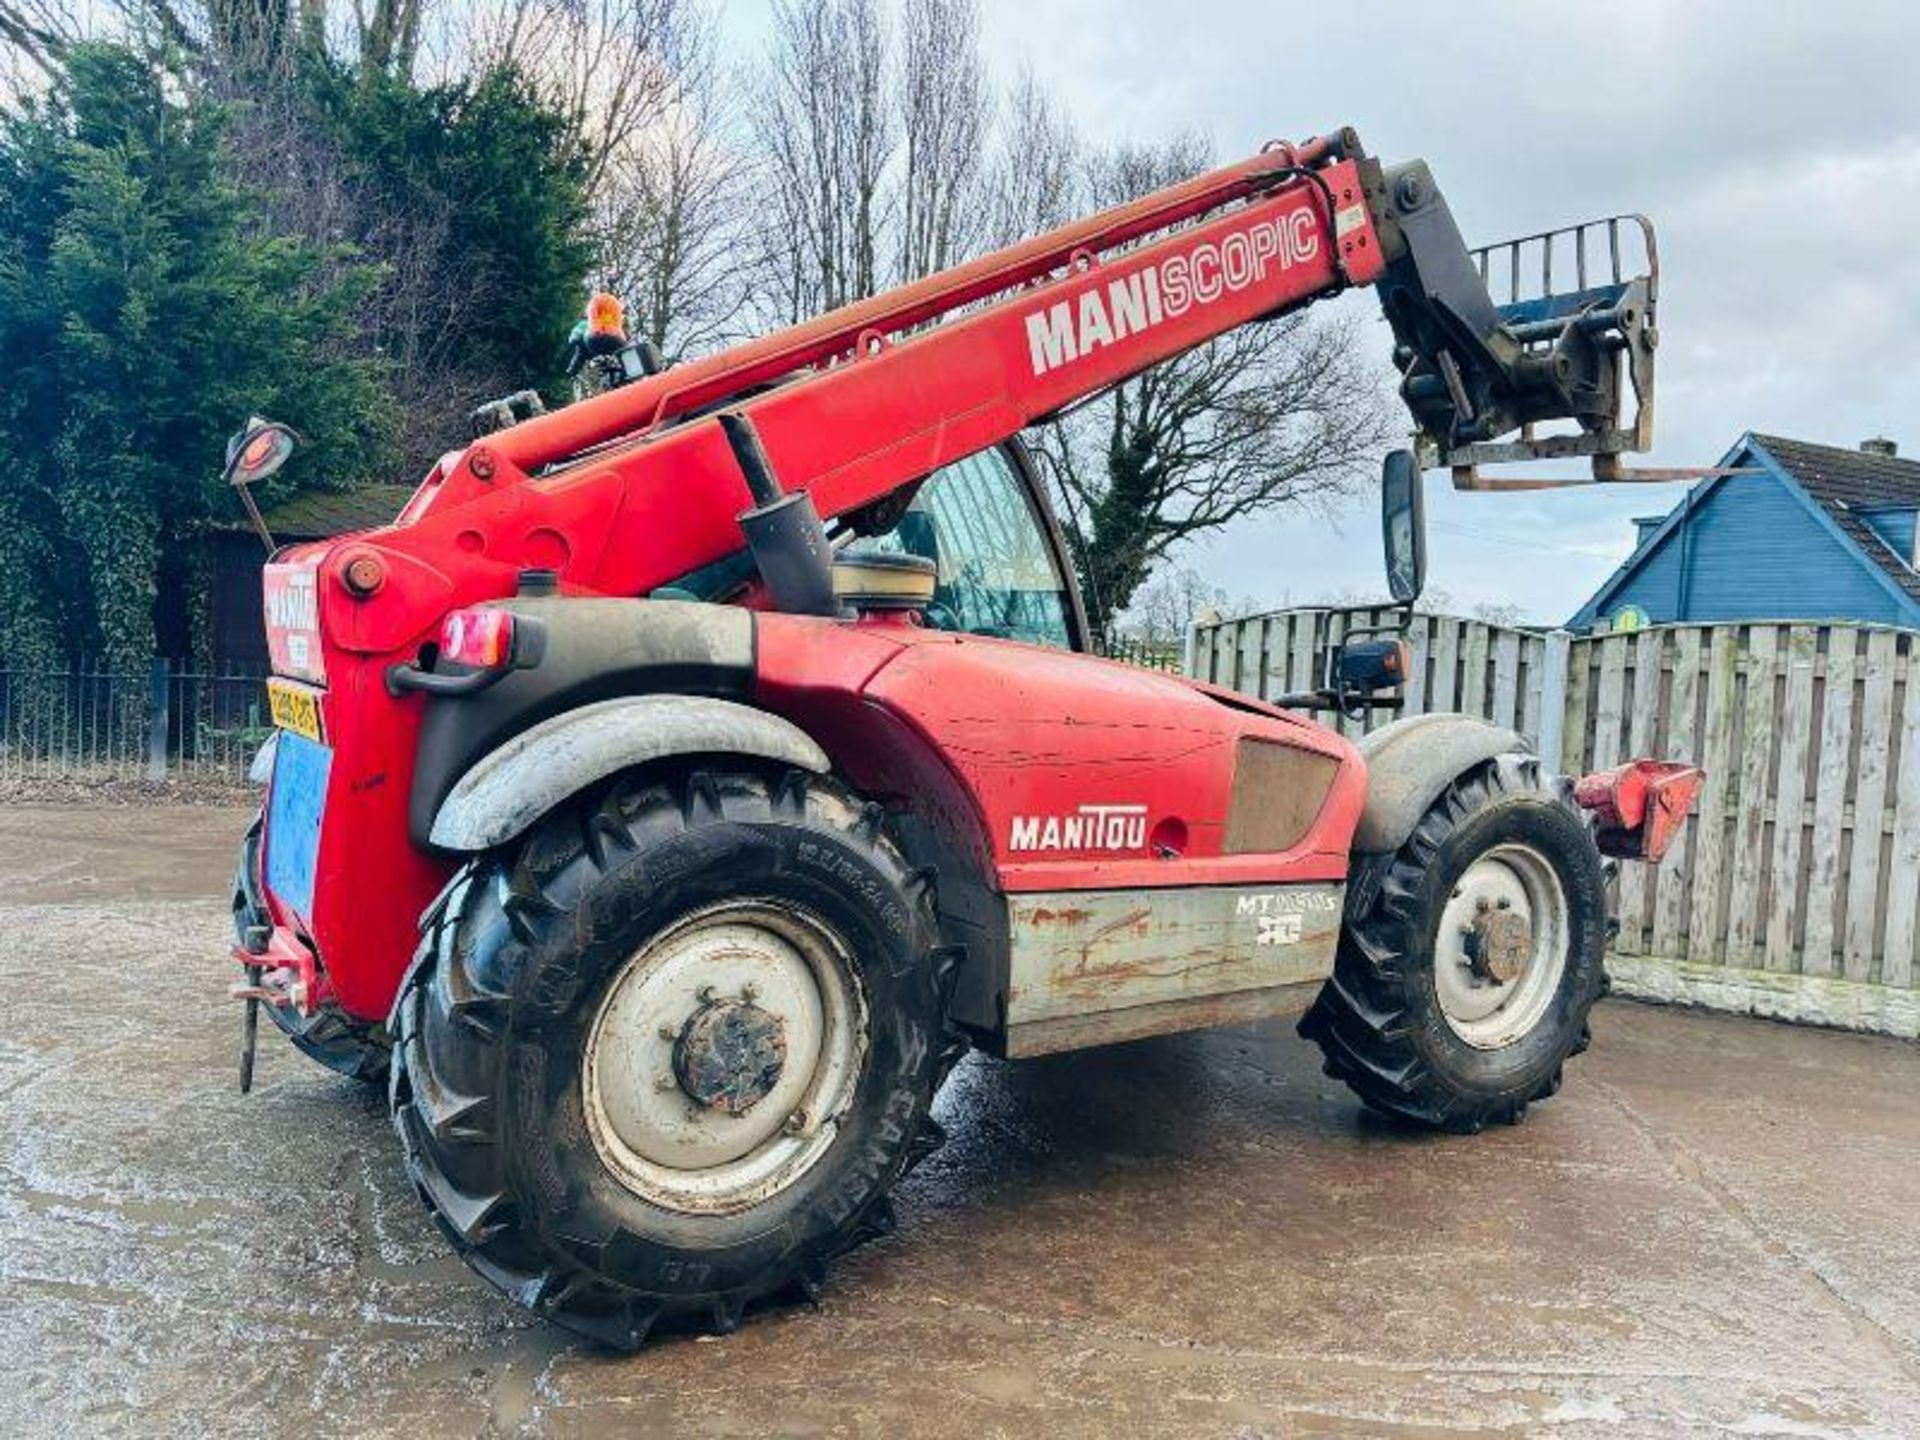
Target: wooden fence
point(1795, 889)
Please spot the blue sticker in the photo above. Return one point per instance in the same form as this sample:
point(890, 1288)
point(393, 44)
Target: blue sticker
point(299, 799)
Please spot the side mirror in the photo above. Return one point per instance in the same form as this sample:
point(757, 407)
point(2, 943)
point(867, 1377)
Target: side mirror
point(260, 448)
point(1403, 526)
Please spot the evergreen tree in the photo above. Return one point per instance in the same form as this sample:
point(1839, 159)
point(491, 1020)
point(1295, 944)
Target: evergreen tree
point(471, 194)
point(144, 313)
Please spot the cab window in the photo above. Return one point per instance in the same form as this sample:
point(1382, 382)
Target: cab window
point(995, 570)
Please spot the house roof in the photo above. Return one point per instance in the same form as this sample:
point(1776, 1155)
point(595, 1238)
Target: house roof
point(1844, 483)
point(1835, 485)
point(318, 514)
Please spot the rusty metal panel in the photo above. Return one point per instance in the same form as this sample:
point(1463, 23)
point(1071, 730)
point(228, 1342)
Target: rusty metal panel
point(1168, 955)
point(1136, 1022)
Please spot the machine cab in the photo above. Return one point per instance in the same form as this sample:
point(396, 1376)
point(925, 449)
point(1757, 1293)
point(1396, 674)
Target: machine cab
point(1000, 561)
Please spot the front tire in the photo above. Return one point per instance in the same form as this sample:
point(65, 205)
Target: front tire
point(667, 1058)
point(1466, 973)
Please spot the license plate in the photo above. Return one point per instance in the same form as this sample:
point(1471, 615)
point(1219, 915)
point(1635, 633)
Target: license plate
point(295, 707)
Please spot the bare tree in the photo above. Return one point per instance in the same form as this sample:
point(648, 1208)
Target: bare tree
point(1277, 413)
point(640, 86)
point(671, 211)
point(944, 114)
point(822, 119)
point(388, 32)
point(33, 33)
point(612, 68)
point(1032, 181)
point(1166, 605)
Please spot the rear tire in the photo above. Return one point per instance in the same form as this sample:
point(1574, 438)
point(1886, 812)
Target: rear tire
point(614, 1164)
point(333, 1038)
point(1428, 1015)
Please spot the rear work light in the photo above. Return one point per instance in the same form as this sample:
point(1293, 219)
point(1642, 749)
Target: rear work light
point(481, 638)
point(484, 642)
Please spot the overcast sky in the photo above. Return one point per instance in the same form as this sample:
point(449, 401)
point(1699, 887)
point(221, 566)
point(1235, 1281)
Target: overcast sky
point(1775, 145)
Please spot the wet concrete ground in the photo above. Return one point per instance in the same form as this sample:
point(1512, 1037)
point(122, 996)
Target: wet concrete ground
point(1714, 1229)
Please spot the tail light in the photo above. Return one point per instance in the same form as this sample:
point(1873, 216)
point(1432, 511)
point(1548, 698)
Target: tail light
point(480, 638)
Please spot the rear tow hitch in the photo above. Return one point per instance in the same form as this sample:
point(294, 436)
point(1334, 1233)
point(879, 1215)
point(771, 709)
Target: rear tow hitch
point(283, 988)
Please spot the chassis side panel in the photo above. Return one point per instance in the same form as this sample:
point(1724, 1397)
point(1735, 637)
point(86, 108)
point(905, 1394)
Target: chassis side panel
point(1090, 968)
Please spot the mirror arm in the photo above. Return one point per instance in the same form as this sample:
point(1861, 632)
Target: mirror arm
point(259, 521)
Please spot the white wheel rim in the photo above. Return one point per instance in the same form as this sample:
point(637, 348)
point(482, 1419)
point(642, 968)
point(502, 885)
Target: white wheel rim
point(682, 1149)
point(1485, 1011)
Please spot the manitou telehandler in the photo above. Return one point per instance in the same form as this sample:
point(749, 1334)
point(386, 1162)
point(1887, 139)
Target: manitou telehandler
point(670, 795)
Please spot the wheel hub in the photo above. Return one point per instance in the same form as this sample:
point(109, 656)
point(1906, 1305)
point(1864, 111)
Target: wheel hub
point(1500, 946)
point(725, 1054)
point(730, 1055)
point(1499, 942)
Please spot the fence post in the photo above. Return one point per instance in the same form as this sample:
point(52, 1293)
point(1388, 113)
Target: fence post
point(157, 722)
point(1553, 696)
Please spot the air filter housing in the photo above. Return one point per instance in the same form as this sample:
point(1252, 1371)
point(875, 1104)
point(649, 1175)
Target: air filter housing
point(886, 581)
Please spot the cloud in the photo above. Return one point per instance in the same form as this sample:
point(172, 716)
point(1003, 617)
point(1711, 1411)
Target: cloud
point(1777, 146)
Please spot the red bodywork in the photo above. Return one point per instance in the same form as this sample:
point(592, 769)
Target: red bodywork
point(635, 491)
point(1049, 771)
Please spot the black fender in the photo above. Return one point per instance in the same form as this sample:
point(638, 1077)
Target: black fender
point(1411, 761)
point(594, 650)
point(509, 788)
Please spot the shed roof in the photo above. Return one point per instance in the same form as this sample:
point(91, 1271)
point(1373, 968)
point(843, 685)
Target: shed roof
point(317, 514)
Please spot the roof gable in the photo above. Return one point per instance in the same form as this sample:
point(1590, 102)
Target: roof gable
point(1884, 478)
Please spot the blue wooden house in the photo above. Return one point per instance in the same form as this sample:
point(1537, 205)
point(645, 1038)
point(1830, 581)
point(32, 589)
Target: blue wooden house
point(1814, 532)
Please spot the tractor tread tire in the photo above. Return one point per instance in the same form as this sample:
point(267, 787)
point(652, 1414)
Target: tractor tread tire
point(349, 1047)
point(1376, 1019)
point(516, 1216)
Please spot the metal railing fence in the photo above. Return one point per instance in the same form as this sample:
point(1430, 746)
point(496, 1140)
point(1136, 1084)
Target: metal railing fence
point(93, 721)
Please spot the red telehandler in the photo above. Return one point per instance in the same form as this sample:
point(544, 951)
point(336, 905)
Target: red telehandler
point(686, 778)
